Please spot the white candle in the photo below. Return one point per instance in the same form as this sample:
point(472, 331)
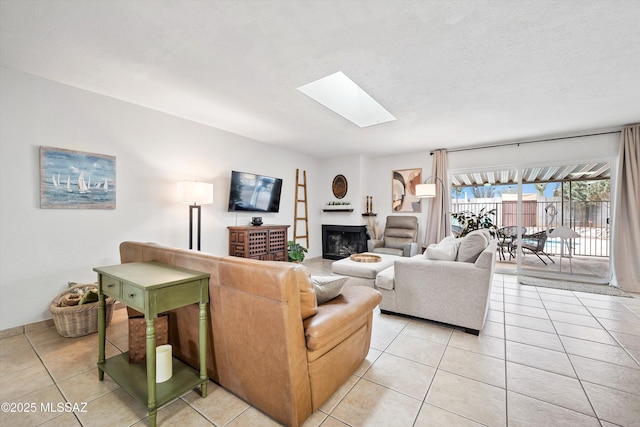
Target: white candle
point(163, 363)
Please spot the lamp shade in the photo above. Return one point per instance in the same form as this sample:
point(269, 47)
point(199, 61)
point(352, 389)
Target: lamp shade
point(197, 193)
point(425, 190)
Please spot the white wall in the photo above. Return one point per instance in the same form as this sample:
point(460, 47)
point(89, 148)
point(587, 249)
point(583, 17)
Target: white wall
point(351, 168)
point(369, 177)
point(379, 181)
point(42, 249)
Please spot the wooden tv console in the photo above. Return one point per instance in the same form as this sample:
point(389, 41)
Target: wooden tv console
point(264, 242)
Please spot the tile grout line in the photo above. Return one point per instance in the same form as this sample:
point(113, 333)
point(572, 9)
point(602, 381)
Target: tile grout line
point(437, 368)
point(360, 378)
point(569, 358)
point(610, 334)
point(55, 383)
point(565, 352)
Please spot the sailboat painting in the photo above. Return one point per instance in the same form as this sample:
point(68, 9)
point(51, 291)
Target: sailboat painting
point(76, 180)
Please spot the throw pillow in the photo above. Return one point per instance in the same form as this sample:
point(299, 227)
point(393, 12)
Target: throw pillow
point(471, 246)
point(328, 287)
point(446, 250)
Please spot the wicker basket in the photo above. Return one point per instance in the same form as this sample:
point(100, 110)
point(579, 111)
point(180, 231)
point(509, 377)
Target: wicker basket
point(78, 320)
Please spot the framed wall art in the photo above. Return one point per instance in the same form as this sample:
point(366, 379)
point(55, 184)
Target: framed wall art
point(76, 180)
point(339, 186)
point(403, 190)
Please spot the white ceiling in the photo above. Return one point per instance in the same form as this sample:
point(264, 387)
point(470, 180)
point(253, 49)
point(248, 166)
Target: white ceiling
point(454, 73)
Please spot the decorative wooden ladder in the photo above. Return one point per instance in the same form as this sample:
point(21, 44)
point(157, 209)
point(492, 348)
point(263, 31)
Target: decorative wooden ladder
point(299, 200)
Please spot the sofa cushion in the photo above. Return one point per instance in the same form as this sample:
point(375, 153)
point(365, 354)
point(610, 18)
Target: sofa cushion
point(389, 251)
point(398, 242)
point(385, 279)
point(328, 287)
point(471, 246)
point(446, 250)
point(337, 319)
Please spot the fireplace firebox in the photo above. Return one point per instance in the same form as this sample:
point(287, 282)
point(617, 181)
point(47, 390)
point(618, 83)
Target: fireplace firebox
point(341, 241)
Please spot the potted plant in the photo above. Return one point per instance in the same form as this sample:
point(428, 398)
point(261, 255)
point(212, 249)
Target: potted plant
point(296, 251)
point(470, 221)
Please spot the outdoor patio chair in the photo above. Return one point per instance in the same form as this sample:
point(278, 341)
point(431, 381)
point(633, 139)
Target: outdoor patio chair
point(534, 243)
point(507, 239)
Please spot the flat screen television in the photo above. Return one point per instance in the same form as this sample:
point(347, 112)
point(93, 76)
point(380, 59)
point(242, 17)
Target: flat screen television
point(249, 192)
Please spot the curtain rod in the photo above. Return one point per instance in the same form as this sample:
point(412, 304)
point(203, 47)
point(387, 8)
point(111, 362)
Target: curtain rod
point(481, 147)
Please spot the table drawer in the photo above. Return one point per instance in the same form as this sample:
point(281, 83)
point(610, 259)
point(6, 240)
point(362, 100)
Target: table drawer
point(132, 296)
point(111, 287)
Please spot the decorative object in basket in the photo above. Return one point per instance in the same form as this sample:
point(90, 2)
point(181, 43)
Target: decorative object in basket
point(75, 311)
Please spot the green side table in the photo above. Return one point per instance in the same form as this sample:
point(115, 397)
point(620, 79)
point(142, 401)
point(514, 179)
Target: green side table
point(152, 288)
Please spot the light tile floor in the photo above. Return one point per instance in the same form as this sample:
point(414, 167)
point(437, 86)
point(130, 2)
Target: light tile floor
point(546, 357)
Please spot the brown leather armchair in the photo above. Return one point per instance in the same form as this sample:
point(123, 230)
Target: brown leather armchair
point(399, 238)
point(269, 343)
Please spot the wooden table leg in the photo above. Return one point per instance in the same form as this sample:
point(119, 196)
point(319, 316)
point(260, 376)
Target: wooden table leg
point(203, 348)
point(101, 332)
point(151, 369)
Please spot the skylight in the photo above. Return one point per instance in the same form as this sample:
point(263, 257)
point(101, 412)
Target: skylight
point(340, 94)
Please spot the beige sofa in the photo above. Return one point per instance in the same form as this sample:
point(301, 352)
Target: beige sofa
point(269, 342)
point(454, 291)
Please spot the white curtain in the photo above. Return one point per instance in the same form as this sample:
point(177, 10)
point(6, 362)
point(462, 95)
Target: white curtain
point(626, 238)
point(439, 207)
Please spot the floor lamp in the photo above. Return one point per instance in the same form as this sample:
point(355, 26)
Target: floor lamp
point(196, 194)
point(428, 191)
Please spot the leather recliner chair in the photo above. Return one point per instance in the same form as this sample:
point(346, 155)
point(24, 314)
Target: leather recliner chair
point(399, 238)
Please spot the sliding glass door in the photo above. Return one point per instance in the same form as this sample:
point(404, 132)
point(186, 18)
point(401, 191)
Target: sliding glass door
point(493, 194)
point(550, 221)
point(574, 214)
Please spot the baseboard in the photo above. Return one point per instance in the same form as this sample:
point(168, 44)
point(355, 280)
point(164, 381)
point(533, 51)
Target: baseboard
point(41, 324)
point(29, 327)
